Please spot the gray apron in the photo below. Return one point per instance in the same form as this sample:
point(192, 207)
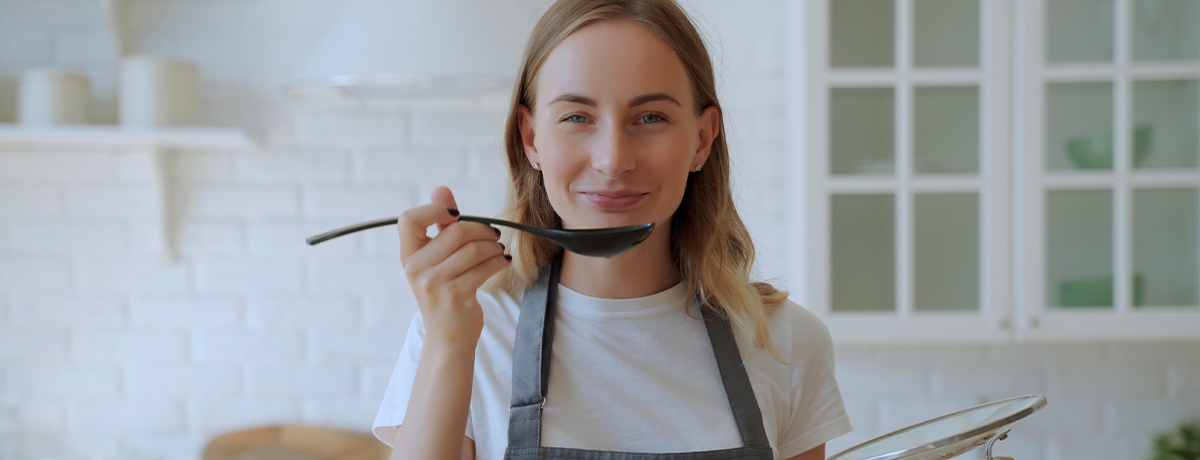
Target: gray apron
point(530, 380)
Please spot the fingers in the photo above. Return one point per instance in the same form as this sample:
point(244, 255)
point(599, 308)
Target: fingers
point(477, 275)
point(467, 257)
point(413, 222)
point(449, 269)
point(448, 242)
point(458, 260)
point(442, 195)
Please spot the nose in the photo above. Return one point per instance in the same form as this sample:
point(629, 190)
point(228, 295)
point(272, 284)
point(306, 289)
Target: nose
point(613, 153)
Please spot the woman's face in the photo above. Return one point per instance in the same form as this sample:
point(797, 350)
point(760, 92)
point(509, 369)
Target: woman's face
point(614, 130)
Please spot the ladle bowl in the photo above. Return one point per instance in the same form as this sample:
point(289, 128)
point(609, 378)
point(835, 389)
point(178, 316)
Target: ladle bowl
point(595, 242)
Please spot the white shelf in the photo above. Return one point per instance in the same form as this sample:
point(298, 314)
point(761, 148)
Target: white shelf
point(161, 145)
point(112, 135)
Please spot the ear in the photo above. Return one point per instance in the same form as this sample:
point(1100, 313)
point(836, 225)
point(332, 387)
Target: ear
point(710, 127)
point(525, 124)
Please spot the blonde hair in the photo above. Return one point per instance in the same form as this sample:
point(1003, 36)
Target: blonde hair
point(709, 242)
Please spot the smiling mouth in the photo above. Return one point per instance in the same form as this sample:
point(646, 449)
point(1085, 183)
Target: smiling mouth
point(614, 200)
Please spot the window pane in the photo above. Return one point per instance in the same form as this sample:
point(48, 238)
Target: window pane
point(862, 33)
point(1166, 261)
point(862, 127)
point(946, 121)
point(1079, 119)
point(1166, 30)
point(1079, 249)
point(863, 255)
point(1166, 115)
point(1079, 30)
point(947, 251)
point(946, 32)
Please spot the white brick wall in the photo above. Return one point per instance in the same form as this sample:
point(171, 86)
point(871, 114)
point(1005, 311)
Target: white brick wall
point(20, 201)
point(66, 310)
point(108, 351)
point(33, 274)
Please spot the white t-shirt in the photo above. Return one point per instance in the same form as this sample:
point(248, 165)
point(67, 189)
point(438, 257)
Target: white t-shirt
point(639, 375)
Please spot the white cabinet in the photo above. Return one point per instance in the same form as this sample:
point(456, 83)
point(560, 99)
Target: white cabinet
point(996, 170)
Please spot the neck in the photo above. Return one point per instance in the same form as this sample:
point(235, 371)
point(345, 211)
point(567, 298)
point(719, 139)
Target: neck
point(642, 271)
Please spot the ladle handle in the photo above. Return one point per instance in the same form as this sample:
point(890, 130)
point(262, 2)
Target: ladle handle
point(351, 229)
point(393, 220)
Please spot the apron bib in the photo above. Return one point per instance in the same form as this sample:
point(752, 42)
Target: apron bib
point(531, 374)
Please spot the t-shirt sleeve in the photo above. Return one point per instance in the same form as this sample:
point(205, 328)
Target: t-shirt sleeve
point(399, 389)
point(818, 414)
point(395, 398)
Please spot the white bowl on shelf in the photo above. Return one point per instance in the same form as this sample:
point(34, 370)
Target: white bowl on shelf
point(53, 97)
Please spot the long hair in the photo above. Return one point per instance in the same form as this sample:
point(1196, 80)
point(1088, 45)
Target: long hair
point(709, 242)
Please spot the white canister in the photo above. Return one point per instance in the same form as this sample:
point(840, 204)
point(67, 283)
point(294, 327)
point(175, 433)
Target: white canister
point(157, 91)
point(53, 96)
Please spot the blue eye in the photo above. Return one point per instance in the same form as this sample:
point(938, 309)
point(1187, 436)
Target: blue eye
point(651, 119)
point(575, 118)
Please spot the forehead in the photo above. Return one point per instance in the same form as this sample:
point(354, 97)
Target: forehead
point(612, 61)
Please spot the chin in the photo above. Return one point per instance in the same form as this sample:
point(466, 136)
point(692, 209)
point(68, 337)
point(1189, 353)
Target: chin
point(593, 218)
point(600, 222)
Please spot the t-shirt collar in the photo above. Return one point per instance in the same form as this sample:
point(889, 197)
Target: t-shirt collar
point(574, 302)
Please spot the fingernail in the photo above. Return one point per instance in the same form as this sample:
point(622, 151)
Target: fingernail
point(502, 246)
point(497, 231)
point(508, 257)
point(453, 211)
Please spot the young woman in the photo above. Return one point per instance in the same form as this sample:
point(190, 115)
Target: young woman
point(667, 351)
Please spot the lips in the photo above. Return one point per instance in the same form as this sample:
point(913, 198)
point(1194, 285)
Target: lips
point(614, 199)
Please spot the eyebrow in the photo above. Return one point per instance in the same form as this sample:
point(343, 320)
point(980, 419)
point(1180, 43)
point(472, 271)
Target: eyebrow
point(643, 99)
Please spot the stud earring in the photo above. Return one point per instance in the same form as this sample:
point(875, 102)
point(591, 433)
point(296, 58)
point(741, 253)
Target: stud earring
point(698, 167)
point(535, 166)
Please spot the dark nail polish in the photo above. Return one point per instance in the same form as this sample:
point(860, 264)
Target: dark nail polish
point(508, 257)
point(497, 231)
point(502, 247)
point(453, 211)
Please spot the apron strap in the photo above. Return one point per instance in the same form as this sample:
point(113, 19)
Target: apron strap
point(531, 358)
point(738, 390)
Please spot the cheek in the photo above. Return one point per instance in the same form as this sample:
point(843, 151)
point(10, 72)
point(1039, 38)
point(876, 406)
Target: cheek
point(561, 155)
point(675, 153)
point(676, 167)
point(669, 172)
point(553, 144)
point(559, 166)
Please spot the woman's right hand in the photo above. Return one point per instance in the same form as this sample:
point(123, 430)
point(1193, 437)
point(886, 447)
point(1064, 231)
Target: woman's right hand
point(446, 270)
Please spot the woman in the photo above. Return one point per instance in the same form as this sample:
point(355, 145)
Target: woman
point(614, 122)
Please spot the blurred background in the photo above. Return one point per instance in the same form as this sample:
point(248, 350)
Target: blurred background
point(981, 199)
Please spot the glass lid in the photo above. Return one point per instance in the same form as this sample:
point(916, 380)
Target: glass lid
point(949, 435)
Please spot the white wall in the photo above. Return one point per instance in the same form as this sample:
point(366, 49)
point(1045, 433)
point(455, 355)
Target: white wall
point(106, 352)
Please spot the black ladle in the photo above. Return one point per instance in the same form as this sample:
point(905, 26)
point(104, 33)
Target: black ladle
point(595, 242)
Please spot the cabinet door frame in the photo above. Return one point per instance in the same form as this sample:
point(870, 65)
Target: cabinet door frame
point(1034, 320)
point(810, 80)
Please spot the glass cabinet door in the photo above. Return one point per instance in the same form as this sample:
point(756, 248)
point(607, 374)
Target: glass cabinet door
point(1111, 175)
point(862, 33)
point(907, 174)
point(990, 170)
point(1079, 31)
point(1165, 30)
